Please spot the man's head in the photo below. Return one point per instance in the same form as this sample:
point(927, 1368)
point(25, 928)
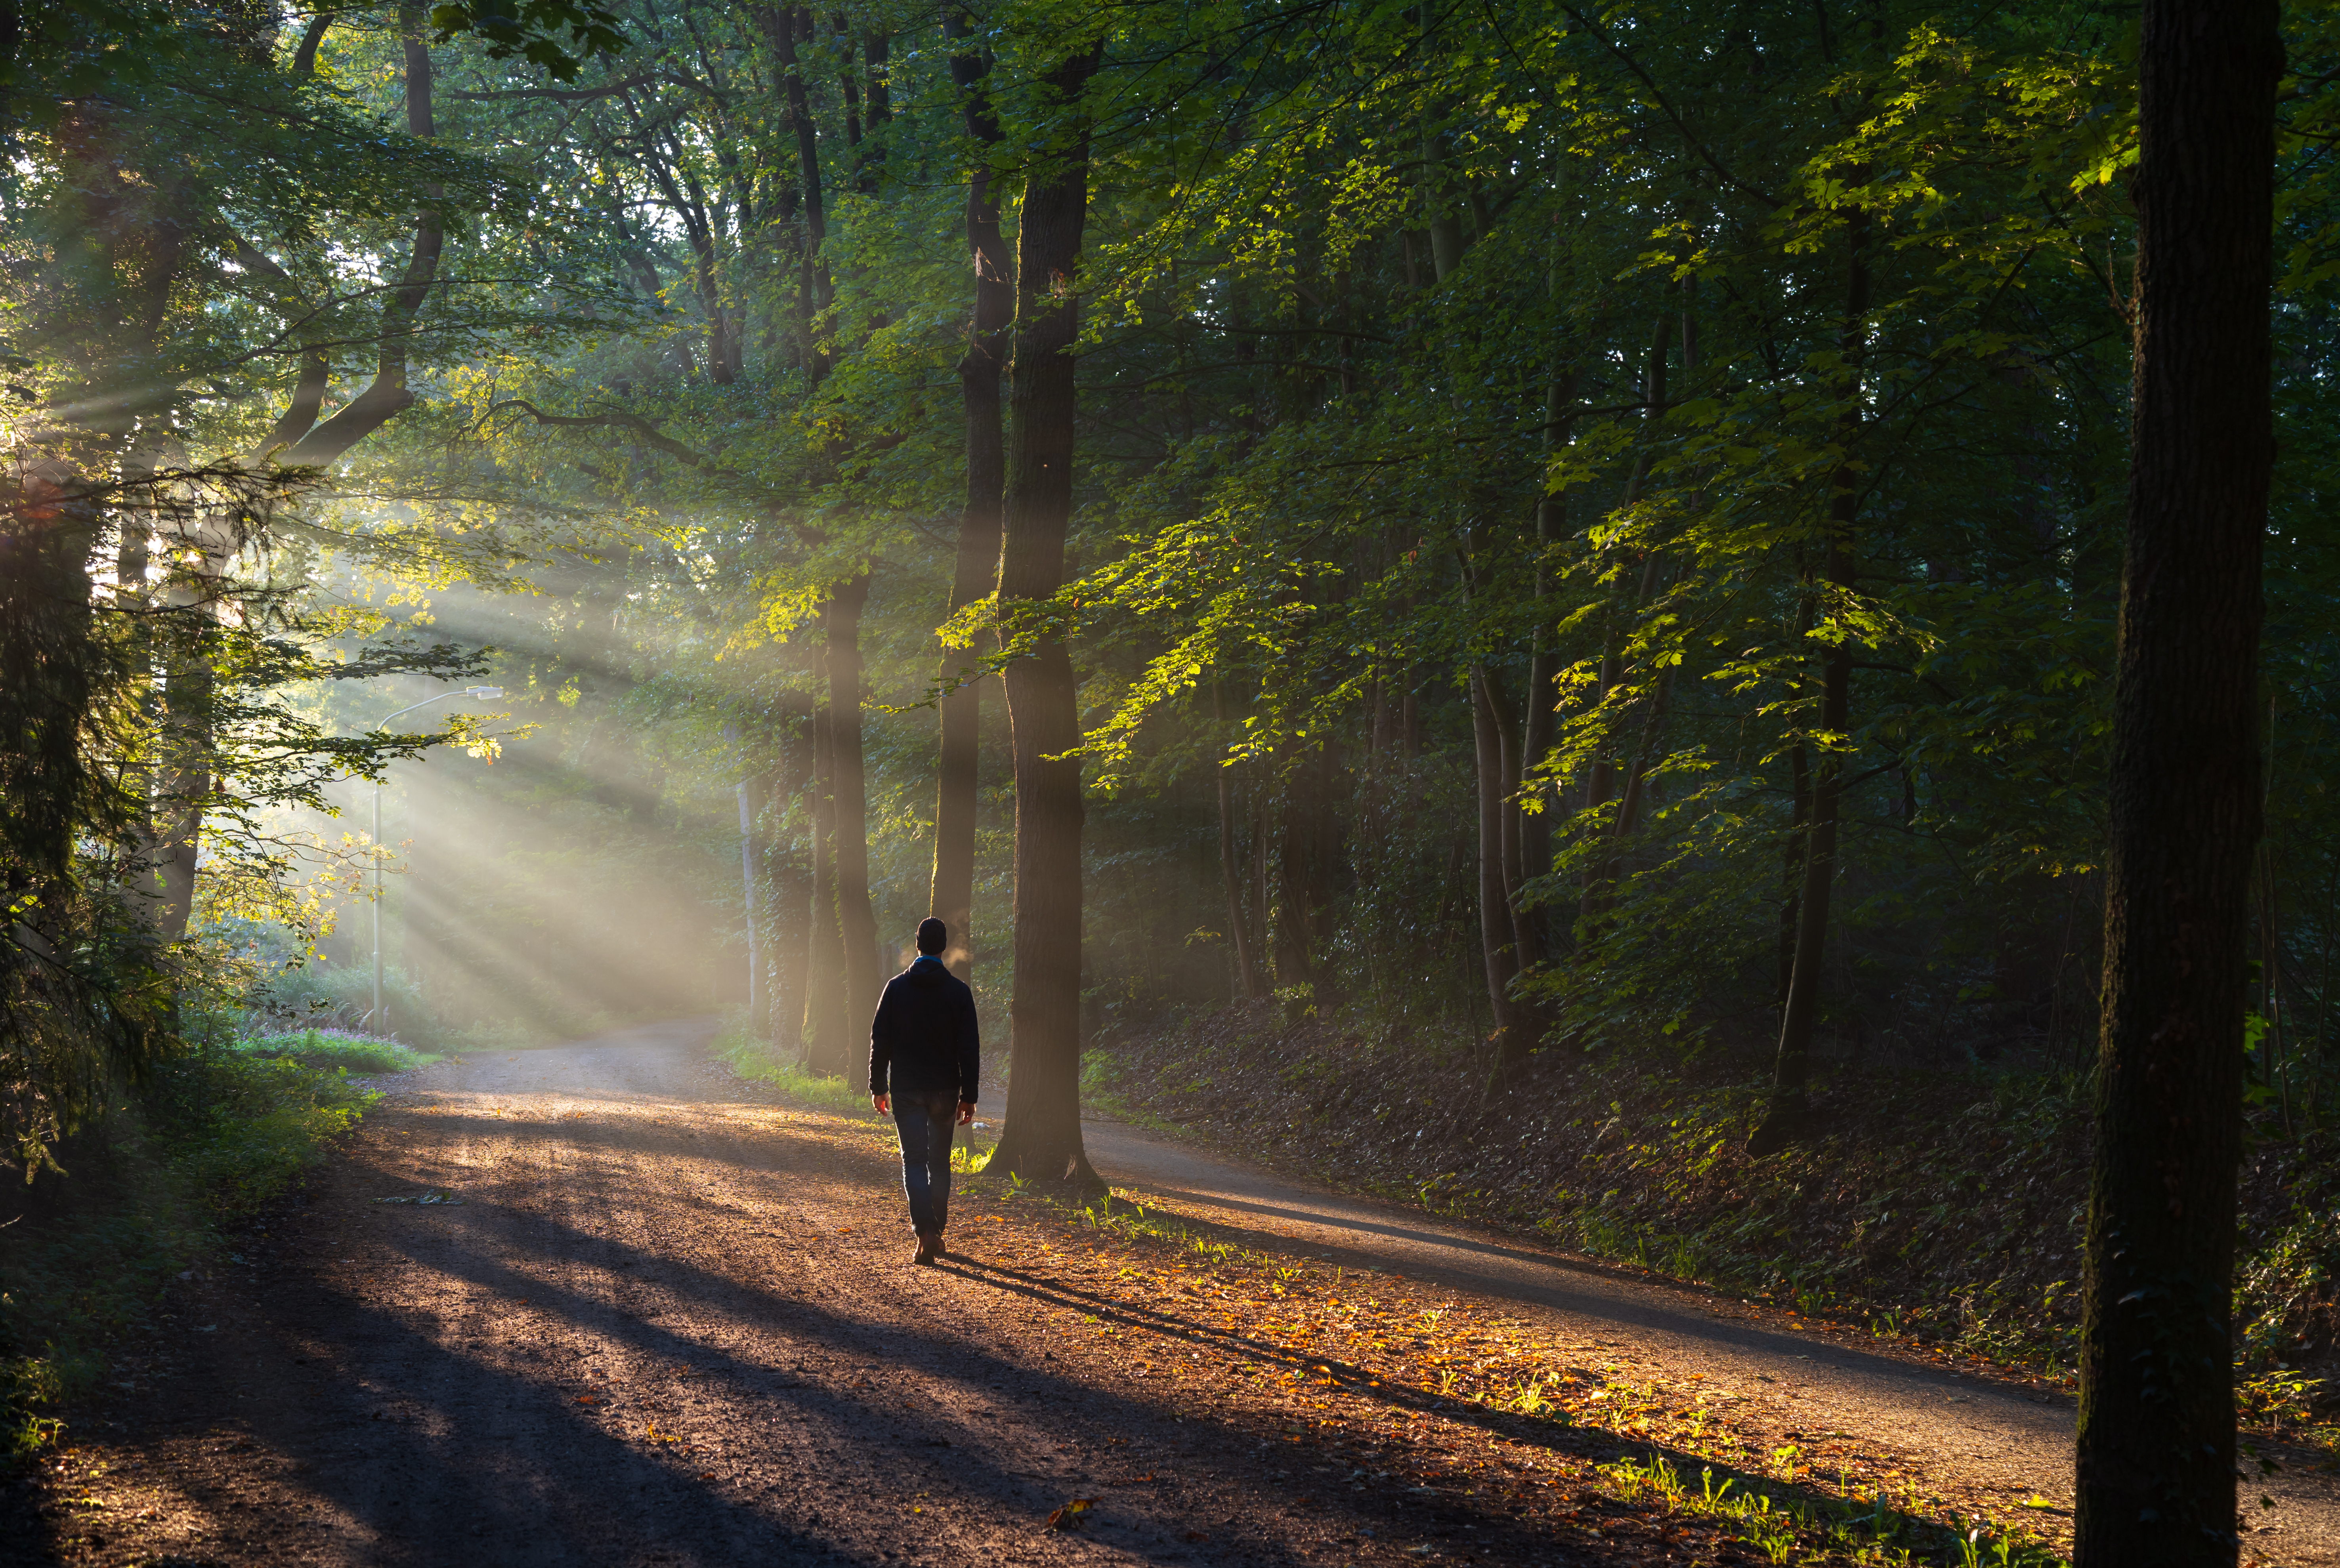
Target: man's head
point(933, 936)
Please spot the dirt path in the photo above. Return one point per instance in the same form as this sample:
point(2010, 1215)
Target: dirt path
point(668, 1324)
point(1986, 1436)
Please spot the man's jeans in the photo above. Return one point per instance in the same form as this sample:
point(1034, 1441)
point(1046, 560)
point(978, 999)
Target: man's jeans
point(925, 1122)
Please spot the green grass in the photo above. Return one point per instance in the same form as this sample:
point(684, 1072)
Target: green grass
point(759, 1059)
point(333, 1047)
point(216, 1134)
point(1783, 1525)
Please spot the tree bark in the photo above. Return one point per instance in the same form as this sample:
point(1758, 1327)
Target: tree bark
point(2156, 1457)
point(1498, 942)
point(976, 571)
point(849, 800)
point(1788, 1115)
point(1249, 982)
point(828, 1034)
point(387, 395)
point(751, 857)
point(1042, 1137)
point(783, 26)
point(1298, 808)
point(788, 877)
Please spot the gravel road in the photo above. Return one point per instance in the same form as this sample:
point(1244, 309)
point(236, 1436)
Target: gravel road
point(1985, 1437)
point(666, 1323)
point(648, 1319)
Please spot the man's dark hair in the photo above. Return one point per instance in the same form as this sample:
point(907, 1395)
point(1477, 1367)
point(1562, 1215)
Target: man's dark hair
point(933, 935)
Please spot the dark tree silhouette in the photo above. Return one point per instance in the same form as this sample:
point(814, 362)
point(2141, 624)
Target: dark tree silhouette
point(2156, 1432)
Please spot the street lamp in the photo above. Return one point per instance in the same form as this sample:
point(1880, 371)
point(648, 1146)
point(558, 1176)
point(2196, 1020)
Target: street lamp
point(485, 693)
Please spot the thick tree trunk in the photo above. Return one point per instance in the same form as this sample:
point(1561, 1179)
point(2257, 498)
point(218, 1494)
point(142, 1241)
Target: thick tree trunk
point(1042, 1133)
point(849, 800)
point(828, 1034)
point(1788, 1115)
point(976, 572)
point(2157, 1426)
point(46, 663)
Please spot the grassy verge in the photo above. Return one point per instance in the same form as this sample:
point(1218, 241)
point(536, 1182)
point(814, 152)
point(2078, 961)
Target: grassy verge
point(87, 1256)
point(756, 1059)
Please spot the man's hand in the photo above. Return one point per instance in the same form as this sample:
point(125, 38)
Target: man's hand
point(879, 1103)
point(966, 1112)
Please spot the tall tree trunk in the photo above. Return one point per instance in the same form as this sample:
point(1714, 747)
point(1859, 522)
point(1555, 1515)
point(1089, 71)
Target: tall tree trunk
point(1249, 982)
point(1298, 807)
point(976, 571)
point(751, 876)
point(790, 880)
point(827, 1034)
point(47, 661)
point(784, 27)
point(1497, 945)
point(1787, 1119)
point(184, 780)
point(850, 800)
point(1042, 1133)
point(2156, 1477)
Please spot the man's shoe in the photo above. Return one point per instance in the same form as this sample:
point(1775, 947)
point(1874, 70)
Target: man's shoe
point(929, 1248)
point(935, 1243)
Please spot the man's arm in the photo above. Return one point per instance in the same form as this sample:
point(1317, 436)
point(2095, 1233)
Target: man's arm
point(881, 1046)
point(970, 1055)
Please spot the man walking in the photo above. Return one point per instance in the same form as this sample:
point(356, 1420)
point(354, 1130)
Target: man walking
point(925, 1058)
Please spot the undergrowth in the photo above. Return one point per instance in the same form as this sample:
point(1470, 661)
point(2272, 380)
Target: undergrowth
point(332, 1047)
point(86, 1254)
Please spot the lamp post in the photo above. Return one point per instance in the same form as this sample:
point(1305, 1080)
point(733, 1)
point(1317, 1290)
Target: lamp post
point(485, 693)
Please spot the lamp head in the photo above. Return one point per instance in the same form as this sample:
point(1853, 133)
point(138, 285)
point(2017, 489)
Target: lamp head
point(485, 694)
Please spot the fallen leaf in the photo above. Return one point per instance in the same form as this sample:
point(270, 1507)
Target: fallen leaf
point(1196, 1535)
point(587, 1399)
point(1068, 1517)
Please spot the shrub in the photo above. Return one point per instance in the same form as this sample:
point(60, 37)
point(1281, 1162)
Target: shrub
point(337, 1048)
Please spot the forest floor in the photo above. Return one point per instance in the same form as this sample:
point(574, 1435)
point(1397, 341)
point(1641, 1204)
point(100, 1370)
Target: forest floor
point(607, 1304)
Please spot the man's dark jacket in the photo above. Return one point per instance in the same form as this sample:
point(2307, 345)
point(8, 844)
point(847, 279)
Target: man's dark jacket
point(923, 1039)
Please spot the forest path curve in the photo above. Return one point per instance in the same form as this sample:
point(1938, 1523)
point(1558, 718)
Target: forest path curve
point(1985, 1435)
point(653, 1316)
